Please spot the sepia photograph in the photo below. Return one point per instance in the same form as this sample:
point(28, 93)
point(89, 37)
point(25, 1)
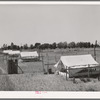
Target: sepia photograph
point(49, 47)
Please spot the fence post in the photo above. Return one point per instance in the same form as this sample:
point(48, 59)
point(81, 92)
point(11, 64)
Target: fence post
point(99, 76)
point(88, 71)
point(39, 52)
point(66, 73)
point(43, 63)
point(47, 63)
point(95, 49)
point(55, 59)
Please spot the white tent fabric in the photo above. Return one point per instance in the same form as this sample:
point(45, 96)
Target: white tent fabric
point(11, 52)
point(14, 52)
point(29, 54)
point(77, 61)
point(7, 51)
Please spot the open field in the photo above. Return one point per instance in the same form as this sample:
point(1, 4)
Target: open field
point(53, 56)
point(33, 78)
point(36, 82)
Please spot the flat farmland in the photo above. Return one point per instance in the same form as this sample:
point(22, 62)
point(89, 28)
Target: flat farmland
point(34, 78)
point(51, 57)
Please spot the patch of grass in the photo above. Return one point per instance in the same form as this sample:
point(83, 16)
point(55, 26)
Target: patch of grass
point(5, 83)
point(38, 81)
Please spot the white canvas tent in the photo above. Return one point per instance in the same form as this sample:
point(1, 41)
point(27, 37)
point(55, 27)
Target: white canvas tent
point(77, 61)
point(14, 52)
point(7, 51)
point(28, 55)
point(11, 52)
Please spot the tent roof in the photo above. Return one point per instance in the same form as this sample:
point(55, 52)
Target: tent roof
point(11, 52)
point(7, 51)
point(29, 54)
point(77, 60)
point(14, 52)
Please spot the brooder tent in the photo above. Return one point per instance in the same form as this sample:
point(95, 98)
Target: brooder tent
point(28, 56)
point(6, 51)
point(11, 52)
point(14, 53)
point(77, 65)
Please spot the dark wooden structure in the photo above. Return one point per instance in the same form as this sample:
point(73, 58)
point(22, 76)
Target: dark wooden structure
point(12, 66)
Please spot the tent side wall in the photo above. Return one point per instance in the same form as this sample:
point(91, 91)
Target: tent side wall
point(84, 72)
point(79, 64)
point(81, 72)
point(62, 69)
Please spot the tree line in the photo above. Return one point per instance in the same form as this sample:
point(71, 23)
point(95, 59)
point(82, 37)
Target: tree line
point(54, 45)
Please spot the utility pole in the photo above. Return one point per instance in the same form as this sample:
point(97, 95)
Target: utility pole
point(43, 63)
point(47, 61)
point(39, 52)
point(95, 49)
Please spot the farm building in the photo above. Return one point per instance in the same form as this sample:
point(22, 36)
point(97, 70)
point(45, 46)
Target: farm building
point(28, 56)
point(10, 59)
point(78, 66)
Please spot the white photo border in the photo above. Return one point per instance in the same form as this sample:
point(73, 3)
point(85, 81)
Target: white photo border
point(50, 94)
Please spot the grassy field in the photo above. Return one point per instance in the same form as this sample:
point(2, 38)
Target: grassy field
point(37, 82)
point(33, 78)
point(51, 57)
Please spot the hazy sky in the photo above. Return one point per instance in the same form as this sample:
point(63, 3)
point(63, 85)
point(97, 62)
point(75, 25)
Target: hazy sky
point(49, 23)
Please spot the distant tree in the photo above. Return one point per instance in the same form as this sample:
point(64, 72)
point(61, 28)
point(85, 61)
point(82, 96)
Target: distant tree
point(54, 45)
point(25, 46)
point(18, 47)
point(88, 44)
point(31, 46)
point(84, 44)
point(60, 45)
point(12, 45)
point(21, 47)
point(77, 44)
point(37, 45)
point(92, 45)
point(4, 47)
point(45, 46)
point(50, 46)
point(65, 45)
point(9, 47)
point(72, 45)
point(41, 46)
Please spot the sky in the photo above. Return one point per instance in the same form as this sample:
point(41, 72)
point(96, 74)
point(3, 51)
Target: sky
point(29, 24)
